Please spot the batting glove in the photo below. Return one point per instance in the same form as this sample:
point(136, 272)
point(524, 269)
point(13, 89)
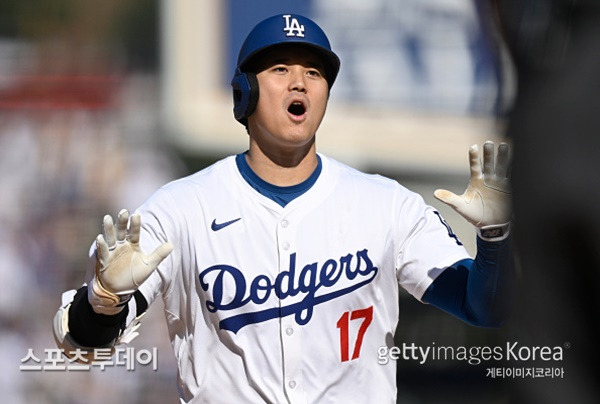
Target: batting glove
point(486, 202)
point(121, 266)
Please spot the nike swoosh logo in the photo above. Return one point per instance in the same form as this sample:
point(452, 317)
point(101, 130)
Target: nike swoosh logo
point(218, 226)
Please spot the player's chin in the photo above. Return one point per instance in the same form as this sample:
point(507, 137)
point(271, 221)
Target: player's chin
point(296, 136)
point(301, 131)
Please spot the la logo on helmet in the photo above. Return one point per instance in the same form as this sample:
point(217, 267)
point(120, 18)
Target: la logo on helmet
point(293, 27)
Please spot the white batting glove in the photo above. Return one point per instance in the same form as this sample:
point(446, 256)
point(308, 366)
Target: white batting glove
point(121, 266)
point(486, 202)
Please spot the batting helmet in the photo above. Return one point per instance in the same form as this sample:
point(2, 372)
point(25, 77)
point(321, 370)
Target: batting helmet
point(282, 29)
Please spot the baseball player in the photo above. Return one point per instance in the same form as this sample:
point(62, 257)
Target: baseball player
point(280, 267)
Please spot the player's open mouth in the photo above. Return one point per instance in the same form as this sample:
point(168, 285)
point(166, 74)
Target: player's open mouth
point(297, 109)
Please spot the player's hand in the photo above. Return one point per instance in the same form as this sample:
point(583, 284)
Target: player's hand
point(486, 202)
point(121, 266)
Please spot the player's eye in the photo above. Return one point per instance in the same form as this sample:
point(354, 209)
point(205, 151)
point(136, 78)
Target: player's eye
point(314, 73)
point(279, 69)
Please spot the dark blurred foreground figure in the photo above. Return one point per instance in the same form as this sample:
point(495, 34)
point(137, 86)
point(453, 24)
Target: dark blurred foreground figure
point(555, 126)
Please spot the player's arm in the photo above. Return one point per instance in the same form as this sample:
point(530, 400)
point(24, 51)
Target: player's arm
point(97, 314)
point(479, 291)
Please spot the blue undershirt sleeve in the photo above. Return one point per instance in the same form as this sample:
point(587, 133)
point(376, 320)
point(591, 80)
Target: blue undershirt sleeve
point(477, 291)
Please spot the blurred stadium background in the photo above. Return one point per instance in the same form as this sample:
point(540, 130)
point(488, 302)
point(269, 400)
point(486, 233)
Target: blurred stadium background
point(103, 102)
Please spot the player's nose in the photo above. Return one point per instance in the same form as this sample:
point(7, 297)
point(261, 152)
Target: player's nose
point(297, 78)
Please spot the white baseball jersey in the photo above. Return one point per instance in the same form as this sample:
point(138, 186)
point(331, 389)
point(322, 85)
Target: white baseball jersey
point(289, 304)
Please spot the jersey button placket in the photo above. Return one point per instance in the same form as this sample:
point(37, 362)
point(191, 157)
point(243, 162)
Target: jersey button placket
point(290, 332)
point(283, 234)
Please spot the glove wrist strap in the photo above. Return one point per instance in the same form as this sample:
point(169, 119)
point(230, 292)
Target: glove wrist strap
point(495, 232)
point(104, 301)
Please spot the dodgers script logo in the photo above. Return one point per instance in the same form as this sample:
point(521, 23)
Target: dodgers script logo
point(293, 27)
point(316, 282)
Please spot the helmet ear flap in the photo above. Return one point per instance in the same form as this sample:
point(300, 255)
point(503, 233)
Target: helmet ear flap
point(245, 95)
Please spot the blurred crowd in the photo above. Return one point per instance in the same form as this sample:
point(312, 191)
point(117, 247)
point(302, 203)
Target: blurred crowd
point(62, 167)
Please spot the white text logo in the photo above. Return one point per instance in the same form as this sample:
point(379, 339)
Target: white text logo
point(293, 27)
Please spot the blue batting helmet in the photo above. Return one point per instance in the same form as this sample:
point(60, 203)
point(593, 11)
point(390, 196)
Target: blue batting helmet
point(282, 29)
